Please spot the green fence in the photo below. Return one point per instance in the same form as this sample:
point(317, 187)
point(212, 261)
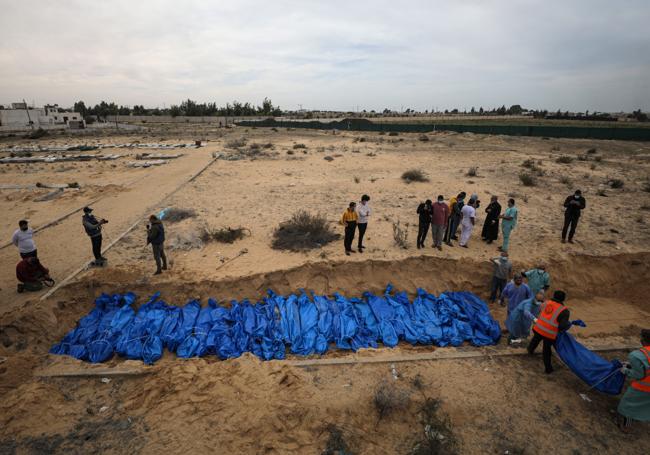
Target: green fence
point(575, 132)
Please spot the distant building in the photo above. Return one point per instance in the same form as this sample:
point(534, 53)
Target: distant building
point(22, 116)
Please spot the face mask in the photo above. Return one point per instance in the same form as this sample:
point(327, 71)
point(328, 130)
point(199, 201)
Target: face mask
point(576, 196)
point(539, 302)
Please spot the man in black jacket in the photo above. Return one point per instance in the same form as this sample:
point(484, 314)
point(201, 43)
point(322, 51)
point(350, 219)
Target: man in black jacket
point(93, 228)
point(573, 204)
point(425, 210)
point(156, 236)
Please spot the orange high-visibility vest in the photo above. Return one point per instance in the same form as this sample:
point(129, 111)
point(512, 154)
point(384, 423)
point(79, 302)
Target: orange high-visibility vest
point(546, 324)
point(643, 384)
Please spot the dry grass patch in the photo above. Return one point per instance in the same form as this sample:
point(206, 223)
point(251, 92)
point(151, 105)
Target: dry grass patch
point(303, 231)
point(414, 175)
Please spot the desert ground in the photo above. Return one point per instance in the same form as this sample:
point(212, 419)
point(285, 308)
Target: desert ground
point(486, 400)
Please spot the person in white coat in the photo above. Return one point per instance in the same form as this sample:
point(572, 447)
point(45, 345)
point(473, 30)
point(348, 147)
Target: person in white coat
point(467, 222)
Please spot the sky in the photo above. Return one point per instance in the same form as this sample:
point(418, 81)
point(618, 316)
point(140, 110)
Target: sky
point(571, 55)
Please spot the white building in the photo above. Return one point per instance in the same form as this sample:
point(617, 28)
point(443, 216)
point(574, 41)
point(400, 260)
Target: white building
point(38, 117)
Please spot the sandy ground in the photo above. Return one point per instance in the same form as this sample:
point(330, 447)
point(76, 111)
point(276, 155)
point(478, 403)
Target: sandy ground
point(494, 403)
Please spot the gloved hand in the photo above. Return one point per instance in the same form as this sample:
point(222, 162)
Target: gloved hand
point(579, 323)
point(534, 320)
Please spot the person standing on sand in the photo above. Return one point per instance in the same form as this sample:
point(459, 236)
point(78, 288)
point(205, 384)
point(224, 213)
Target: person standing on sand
point(424, 211)
point(468, 220)
point(363, 212)
point(156, 236)
point(349, 220)
point(635, 404)
point(573, 204)
point(454, 217)
point(93, 228)
point(515, 292)
point(439, 216)
point(538, 279)
point(490, 230)
point(552, 319)
point(502, 272)
point(24, 241)
point(509, 223)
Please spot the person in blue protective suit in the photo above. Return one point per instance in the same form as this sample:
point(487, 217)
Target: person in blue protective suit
point(538, 279)
point(635, 404)
point(521, 318)
point(515, 292)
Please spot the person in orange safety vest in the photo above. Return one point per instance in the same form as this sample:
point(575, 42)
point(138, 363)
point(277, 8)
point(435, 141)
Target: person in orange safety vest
point(553, 318)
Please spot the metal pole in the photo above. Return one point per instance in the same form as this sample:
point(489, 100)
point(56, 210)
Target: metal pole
point(28, 117)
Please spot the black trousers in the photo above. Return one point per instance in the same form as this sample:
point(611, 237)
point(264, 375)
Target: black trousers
point(546, 349)
point(572, 222)
point(362, 232)
point(423, 230)
point(97, 247)
point(31, 254)
point(158, 254)
point(350, 227)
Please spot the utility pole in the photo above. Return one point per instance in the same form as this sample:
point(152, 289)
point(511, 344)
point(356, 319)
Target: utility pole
point(28, 117)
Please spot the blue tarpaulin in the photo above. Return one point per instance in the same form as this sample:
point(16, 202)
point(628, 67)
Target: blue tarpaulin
point(602, 374)
point(301, 323)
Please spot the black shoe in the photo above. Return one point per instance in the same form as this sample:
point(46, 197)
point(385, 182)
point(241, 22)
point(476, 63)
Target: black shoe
point(360, 250)
point(158, 272)
point(20, 288)
point(570, 240)
point(164, 267)
point(347, 253)
point(455, 237)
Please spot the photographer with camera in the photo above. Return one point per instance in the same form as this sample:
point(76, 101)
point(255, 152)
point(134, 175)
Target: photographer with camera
point(93, 228)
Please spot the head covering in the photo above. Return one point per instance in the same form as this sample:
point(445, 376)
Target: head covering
point(473, 197)
point(87, 209)
point(559, 296)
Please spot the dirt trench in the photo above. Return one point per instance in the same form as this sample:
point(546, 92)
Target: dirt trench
point(271, 407)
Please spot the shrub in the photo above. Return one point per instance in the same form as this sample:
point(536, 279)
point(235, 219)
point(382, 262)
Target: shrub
point(438, 435)
point(527, 179)
point(357, 179)
point(328, 158)
point(299, 146)
point(423, 138)
point(566, 180)
point(601, 192)
point(616, 183)
point(393, 133)
point(591, 151)
point(37, 134)
point(175, 214)
point(236, 143)
point(564, 159)
point(414, 175)
point(583, 157)
point(335, 444)
point(389, 399)
point(529, 163)
point(290, 152)
point(598, 158)
point(303, 231)
point(268, 145)
point(223, 235)
point(472, 171)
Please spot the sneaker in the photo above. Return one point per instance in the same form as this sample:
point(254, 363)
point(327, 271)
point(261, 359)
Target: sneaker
point(515, 341)
point(464, 246)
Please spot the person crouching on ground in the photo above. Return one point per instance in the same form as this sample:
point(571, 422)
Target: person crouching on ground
point(156, 236)
point(424, 221)
point(439, 216)
point(349, 220)
point(363, 212)
point(553, 318)
point(468, 220)
point(32, 275)
point(521, 318)
point(93, 228)
point(635, 404)
point(24, 241)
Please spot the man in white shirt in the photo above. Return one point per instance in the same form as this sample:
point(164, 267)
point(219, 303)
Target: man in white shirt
point(468, 214)
point(23, 239)
point(363, 211)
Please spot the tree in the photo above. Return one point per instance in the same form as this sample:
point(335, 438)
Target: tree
point(80, 107)
point(515, 109)
point(480, 110)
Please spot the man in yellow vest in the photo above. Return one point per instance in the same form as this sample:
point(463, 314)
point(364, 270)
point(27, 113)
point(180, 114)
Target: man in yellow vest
point(553, 318)
point(635, 404)
point(349, 220)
